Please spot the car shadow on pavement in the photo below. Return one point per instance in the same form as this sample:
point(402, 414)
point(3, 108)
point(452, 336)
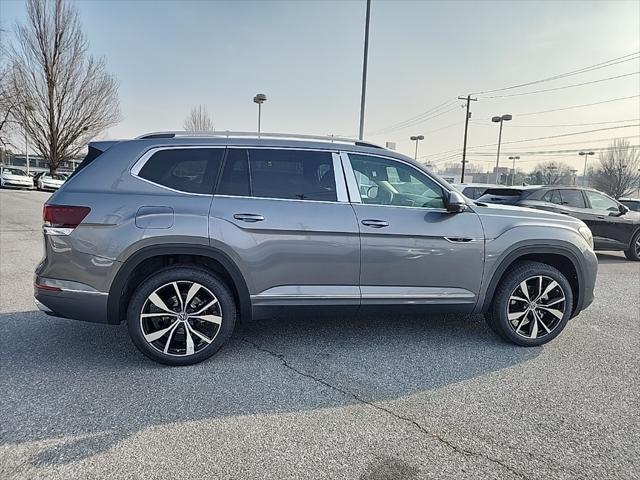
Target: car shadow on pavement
point(75, 389)
point(612, 258)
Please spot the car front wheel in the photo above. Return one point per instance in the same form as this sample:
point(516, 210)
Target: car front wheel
point(633, 253)
point(531, 305)
point(181, 316)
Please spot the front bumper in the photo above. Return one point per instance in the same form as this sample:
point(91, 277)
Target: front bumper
point(17, 183)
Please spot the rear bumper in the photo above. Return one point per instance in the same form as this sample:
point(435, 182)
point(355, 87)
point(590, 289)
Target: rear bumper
point(87, 306)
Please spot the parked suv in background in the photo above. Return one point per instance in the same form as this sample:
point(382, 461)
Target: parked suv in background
point(614, 225)
point(181, 236)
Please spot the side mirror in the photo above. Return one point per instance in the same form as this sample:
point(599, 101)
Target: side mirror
point(456, 203)
point(623, 209)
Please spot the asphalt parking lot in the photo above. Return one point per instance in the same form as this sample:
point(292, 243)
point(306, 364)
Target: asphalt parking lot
point(371, 398)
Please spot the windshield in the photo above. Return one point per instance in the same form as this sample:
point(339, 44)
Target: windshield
point(15, 171)
point(57, 176)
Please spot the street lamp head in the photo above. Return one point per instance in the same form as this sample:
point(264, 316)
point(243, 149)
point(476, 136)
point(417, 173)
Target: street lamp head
point(586, 153)
point(495, 119)
point(506, 117)
point(416, 137)
point(260, 98)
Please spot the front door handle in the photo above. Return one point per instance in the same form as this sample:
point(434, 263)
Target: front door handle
point(599, 217)
point(375, 223)
point(248, 217)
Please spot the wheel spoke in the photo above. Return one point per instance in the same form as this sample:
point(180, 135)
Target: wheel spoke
point(556, 313)
point(191, 293)
point(198, 334)
point(519, 299)
point(168, 344)
point(539, 285)
point(152, 337)
point(539, 318)
point(208, 318)
point(551, 303)
point(534, 326)
point(547, 290)
point(158, 302)
point(179, 295)
point(206, 307)
point(189, 341)
point(522, 323)
point(525, 289)
point(162, 314)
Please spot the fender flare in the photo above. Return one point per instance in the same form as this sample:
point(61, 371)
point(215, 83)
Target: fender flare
point(114, 313)
point(519, 251)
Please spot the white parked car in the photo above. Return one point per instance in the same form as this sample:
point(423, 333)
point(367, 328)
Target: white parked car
point(51, 181)
point(14, 177)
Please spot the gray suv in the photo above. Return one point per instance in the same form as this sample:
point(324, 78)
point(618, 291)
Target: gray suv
point(182, 236)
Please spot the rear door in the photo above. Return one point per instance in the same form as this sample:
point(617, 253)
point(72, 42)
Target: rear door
point(283, 217)
point(413, 250)
point(609, 228)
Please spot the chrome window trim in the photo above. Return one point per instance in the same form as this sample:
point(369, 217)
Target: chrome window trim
point(144, 158)
point(246, 197)
point(354, 192)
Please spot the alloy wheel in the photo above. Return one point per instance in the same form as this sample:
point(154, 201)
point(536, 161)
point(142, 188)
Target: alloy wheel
point(180, 318)
point(536, 307)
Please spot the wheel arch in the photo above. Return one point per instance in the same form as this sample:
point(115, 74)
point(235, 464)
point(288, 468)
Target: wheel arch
point(152, 258)
point(558, 256)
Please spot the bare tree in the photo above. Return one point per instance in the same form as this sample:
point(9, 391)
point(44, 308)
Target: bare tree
point(552, 173)
point(617, 172)
point(65, 96)
point(7, 99)
point(198, 120)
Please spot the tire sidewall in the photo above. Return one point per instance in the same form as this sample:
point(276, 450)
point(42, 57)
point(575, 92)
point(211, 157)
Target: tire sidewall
point(631, 253)
point(208, 280)
point(501, 300)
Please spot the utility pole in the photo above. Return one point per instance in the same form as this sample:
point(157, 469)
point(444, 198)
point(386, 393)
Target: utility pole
point(468, 99)
point(364, 70)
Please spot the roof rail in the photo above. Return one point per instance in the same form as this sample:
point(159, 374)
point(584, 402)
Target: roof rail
point(230, 134)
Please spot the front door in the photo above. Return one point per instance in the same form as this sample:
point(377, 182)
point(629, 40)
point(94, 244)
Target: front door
point(609, 228)
point(413, 250)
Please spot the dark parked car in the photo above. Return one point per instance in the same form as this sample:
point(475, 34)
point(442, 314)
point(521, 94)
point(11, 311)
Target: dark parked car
point(614, 225)
point(631, 203)
point(474, 190)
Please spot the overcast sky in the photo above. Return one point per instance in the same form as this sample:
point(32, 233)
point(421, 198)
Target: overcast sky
point(307, 57)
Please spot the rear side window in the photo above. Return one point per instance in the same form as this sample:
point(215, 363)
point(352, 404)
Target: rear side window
point(573, 198)
point(507, 196)
point(235, 177)
point(192, 170)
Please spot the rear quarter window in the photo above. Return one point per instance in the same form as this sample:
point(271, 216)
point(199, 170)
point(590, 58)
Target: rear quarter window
point(191, 170)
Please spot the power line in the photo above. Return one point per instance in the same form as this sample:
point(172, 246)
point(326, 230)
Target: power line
point(607, 63)
point(419, 116)
point(564, 87)
point(413, 123)
point(574, 106)
point(597, 140)
point(487, 124)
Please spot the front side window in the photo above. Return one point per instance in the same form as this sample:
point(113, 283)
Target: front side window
point(573, 198)
point(599, 201)
point(192, 170)
point(292, 174)
point(383, 181)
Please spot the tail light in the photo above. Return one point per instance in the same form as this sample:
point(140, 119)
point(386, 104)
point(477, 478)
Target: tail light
point(62, 219)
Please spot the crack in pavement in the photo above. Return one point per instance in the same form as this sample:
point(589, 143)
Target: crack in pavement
point(439, 438)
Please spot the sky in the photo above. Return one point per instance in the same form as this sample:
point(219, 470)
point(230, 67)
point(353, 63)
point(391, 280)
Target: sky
point(306, 56)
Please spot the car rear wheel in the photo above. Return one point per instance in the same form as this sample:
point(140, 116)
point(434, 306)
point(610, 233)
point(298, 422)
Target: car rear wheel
point(633, 253)
point(531, 305)
point(181, 316)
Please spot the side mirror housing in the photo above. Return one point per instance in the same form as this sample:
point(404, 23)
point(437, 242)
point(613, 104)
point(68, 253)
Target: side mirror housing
point(456, 203)
point(623, 209)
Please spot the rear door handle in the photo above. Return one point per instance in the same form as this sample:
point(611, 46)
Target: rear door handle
point(375, 223)
point(600, 218)
point(248, 217)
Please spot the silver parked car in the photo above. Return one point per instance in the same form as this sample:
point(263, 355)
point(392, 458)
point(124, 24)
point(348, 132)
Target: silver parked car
point(15, 177)
point(182, 236)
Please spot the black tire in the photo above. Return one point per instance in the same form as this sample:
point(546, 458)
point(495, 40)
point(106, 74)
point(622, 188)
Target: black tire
point(633, 253)
point(184, 275)
point(497, 316)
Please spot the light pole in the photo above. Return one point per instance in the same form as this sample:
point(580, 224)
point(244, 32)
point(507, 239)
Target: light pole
point(27, 108)
point(416, 138)
point(504, 118)
point(551, 169)
point(260, 98)
point(513, 170)
point(584, 173)
point(365, 59)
